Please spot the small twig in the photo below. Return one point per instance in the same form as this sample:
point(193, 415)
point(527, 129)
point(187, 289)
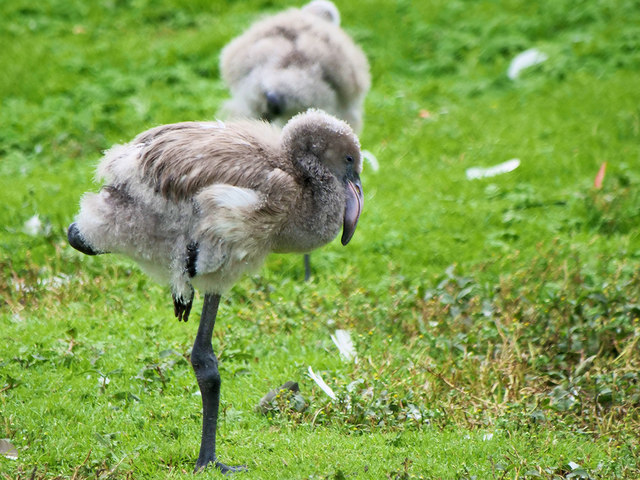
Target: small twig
point(72, 343)
point(118, 464)
point(458, 389)
point(77, 469)
point(313, 422)
point(163, 380)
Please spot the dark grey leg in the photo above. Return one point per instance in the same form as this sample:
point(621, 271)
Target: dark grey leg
point(307, 267)
point(205, 366)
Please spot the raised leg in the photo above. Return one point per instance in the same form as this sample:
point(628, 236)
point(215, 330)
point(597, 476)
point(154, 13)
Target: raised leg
point(307, 267)
point(205, 366)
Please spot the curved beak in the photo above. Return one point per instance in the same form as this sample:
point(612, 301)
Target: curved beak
point(352, 208)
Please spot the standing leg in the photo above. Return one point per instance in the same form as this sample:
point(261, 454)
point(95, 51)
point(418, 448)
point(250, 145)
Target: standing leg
point(307, 267)
point(205, 366)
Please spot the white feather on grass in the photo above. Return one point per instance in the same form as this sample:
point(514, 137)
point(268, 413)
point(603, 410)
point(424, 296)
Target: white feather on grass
point(7, 449)
point(33, 226)
point(320, 382)
point(342, 339)
point(474, 173)
point(524, 60)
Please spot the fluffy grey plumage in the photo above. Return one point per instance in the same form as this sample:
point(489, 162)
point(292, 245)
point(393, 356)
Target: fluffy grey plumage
point(201, 203)
point(295, 60)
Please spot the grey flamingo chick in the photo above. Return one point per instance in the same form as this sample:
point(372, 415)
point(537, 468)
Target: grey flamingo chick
point(292, 61)
point(295, 60)
point(199, 204)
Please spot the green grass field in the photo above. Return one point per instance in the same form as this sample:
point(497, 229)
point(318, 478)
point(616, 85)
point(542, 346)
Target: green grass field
point(496, 320)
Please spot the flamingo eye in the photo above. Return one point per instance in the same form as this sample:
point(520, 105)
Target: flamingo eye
point(349, 159)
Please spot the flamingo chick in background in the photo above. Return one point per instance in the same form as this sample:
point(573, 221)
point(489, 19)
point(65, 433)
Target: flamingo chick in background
point(298, 59)
point(199, 204)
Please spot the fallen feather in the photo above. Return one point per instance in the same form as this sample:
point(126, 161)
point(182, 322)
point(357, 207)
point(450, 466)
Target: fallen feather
point(320, 382)
point(524, 60)
point(475, 173)
point(7, 449)
point(36, 227)
point(289, 391)
point(342, 340)
point(33, 226)
point(414, 413)
point(597, 182)
point(371, 158)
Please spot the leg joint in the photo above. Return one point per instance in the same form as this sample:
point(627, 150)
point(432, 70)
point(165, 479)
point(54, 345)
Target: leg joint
point(206, 369)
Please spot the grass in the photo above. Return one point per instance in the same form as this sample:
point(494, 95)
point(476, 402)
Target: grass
point(496, 320)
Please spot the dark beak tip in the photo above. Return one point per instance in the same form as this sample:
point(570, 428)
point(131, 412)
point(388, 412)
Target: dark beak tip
point(346, 238)
point(275, 104)
point(77, 241)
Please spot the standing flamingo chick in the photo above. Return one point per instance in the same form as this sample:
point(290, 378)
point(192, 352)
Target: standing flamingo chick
point(201, 203)
point(295, 60)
